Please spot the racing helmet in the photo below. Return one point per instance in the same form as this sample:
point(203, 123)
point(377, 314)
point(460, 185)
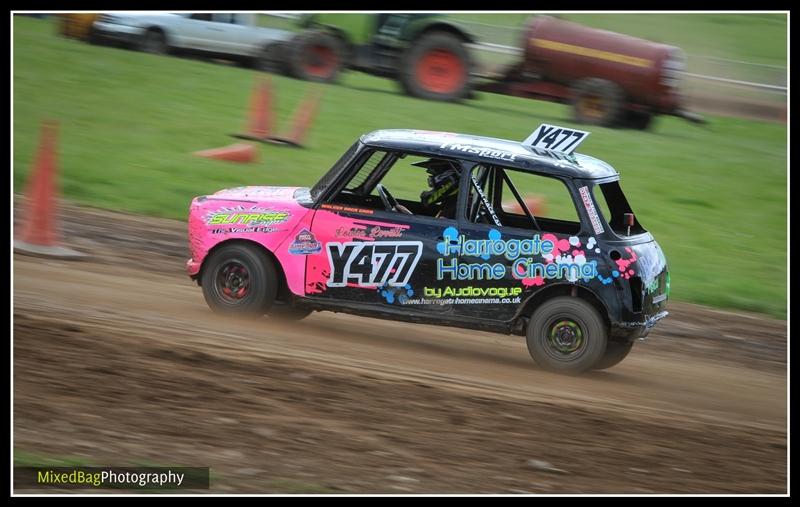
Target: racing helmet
point(443, 176)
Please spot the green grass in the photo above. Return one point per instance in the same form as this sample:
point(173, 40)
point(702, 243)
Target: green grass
point(714, 197)
point(31, 459)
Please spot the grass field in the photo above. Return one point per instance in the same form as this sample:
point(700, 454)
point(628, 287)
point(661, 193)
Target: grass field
point(714, 197)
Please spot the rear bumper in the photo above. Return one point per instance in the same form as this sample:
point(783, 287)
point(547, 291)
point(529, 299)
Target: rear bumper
point(643, 327)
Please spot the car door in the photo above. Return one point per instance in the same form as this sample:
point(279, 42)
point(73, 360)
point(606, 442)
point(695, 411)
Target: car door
point(194, 31)
point(229, 33)
point(504, 254)
point(373, 256)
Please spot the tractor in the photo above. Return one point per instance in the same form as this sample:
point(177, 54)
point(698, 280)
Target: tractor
point(426, 53)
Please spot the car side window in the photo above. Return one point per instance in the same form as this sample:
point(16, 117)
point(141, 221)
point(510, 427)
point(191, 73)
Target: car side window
point(201, 16)
point(225, 18)
point(415, 184)
point(521, 199)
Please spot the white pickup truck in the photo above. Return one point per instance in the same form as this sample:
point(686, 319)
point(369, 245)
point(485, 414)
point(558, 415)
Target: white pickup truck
point(232, 36)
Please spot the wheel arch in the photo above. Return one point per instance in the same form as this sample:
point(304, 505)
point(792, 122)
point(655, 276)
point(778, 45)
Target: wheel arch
point(283, 288)
point(560, 289)
point(347, 44)
point(441, 26)
point(168, 42)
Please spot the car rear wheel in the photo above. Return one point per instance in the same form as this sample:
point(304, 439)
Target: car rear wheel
point(614, 354)
point(597, 102)
point(437, 67)
point(239, 279)
point(566, 335)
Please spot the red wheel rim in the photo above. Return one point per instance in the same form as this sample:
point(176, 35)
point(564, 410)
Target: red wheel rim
point(321, 61)
point(440, 71)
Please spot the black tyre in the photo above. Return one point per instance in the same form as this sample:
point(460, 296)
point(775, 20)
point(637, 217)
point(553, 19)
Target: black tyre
point(639, 120)
point(316, 56)
point(614, 354)
point(289, 313)
point(566, 335)
point(438, 67)
point(271, 59)
point(597, 102)
point(239, 279)
point(93, 38)
point(154, 42)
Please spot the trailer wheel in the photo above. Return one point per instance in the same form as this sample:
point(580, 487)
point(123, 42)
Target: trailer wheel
point(639, 120)
point(316, 56)
point(437, 66)
point(566, 335)
point(597, 102)
point(614, 354)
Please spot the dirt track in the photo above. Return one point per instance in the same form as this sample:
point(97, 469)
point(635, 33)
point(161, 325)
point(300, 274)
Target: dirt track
point(118, 360)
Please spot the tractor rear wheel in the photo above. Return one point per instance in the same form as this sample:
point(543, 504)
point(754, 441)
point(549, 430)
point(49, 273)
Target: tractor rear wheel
point(437, 66)
point(316, 56)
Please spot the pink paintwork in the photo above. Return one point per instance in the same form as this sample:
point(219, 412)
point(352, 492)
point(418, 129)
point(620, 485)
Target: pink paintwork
point(203, 236)
point(272, 217)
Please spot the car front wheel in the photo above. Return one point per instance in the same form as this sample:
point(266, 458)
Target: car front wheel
point(239, 279)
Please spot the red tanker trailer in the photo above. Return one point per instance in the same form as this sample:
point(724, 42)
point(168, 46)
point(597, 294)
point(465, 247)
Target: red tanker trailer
point(609, 78)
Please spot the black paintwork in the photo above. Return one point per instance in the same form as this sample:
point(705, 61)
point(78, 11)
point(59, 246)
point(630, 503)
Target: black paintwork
point(524, 157)
point(626, 302)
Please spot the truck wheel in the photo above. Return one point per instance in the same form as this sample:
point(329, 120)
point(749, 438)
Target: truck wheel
point(239, 279)
point(597, 102)
point(437, 66)
point(614, 354)
point(154, 42)
point(566, 335)
point(316, 56)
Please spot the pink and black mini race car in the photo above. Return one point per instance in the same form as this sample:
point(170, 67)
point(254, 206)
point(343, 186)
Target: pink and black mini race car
point(459, 245)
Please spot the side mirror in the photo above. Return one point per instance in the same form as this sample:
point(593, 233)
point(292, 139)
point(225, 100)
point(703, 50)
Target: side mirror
point(629, 220)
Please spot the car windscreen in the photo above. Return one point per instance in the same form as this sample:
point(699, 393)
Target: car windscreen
point(333, 173)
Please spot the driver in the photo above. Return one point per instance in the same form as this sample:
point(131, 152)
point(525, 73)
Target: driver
point(443, 178)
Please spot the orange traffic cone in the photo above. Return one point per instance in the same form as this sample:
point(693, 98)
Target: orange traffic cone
point(239, 152)
point(39, 235)
point(536, 204)
point(259, 124)
point(302, 120)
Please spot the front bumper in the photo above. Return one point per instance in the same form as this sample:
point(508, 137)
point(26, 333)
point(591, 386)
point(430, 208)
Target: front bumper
point(192, 268)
